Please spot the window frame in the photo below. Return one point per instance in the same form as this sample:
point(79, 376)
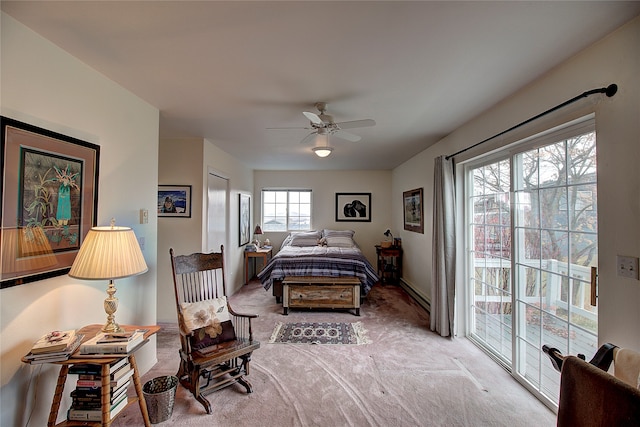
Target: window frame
point(288, 205)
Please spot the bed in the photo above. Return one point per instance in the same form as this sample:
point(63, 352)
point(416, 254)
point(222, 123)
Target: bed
point(325, 253)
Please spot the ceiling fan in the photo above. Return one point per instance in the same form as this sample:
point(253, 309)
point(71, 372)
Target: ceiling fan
point(323, 124)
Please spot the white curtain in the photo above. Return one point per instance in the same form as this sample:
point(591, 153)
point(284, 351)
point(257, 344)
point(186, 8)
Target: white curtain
point(444, 243)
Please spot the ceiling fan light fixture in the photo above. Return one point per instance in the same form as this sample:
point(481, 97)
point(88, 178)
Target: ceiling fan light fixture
point(322, 151)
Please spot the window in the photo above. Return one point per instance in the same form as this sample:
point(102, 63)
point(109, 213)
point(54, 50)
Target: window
point(286, 210)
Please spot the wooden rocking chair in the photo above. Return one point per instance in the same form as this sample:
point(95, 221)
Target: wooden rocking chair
point(216, 342)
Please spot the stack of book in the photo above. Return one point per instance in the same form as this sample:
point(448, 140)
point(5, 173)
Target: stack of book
point(55, 346)
point(86, 398)
point(112, 343)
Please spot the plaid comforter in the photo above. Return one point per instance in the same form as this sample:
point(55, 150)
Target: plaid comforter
point(319, 261)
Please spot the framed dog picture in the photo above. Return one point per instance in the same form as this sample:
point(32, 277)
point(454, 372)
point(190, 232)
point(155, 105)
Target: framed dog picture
point(353, 207)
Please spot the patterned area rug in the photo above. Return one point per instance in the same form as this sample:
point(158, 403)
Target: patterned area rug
point(319, 333)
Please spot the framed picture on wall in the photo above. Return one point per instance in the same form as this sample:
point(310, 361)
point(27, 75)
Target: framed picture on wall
point(413, 212)
point(49, 201)
point(245, 216)
point(174, 201)
point(353, 207)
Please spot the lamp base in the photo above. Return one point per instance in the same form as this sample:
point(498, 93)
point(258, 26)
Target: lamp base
point(112, 327)
point(110, 307)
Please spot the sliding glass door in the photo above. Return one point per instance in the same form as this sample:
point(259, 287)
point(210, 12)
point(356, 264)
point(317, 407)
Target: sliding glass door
point(531, 218)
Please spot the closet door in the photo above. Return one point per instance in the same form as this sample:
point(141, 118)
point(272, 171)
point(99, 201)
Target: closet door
point(217, 196)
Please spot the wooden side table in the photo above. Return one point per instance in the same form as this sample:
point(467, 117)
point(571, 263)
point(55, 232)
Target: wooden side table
point(104, 361)
point(264, 253)
point(389, 264)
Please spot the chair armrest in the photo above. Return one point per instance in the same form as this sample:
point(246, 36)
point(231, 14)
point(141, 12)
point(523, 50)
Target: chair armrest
point(250, 316)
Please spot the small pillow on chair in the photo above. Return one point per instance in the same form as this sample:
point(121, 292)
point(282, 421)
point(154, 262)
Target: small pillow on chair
point(208, 320)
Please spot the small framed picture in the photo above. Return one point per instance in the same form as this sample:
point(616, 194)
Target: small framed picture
point(174, 201)
point(244, 210)
point(353, 207)
point(413, 212)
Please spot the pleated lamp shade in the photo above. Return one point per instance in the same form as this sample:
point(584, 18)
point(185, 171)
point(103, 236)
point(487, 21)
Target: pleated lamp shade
point(108, 253)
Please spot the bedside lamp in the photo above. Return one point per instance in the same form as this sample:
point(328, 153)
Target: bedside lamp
point(109, 253)
point(387, 243)
point(256, 233)
point(388, 234)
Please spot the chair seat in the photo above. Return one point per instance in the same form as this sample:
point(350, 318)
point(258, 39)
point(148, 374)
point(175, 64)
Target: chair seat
point(216, 354)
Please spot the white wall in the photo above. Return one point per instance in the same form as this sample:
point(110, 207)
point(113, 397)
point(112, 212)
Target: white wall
point(44, 86)
point(178, 164)
point(187, 162)
point(325, 185)
point(615, 59)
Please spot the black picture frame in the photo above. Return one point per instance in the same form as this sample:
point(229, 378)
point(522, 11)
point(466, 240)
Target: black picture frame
point(244, 219)
point(174, 201)
point(353, 207)
point(413, 210)
point(49, 200)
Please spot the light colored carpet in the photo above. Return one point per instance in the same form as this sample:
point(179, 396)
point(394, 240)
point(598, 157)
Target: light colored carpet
point(406, 376)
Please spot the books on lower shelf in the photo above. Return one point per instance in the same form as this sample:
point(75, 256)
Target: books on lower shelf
point(82, 414)
point(95, 369)
point(90, 384)
point(104, 343)
point(87, 396)
point(55, 356)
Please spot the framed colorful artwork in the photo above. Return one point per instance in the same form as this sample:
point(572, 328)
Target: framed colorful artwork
point(49, 201)
point(174, 201)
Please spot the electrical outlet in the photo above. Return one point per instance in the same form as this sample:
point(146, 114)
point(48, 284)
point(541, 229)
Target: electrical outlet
point(627, 266)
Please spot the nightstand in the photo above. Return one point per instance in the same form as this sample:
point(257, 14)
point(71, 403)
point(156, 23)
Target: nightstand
point(263, 253)
point(389, 264)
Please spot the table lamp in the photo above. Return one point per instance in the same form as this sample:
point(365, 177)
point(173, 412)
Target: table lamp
point(109, 253)
point(256, 233)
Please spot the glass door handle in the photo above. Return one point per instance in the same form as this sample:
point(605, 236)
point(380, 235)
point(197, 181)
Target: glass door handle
point(594, 284)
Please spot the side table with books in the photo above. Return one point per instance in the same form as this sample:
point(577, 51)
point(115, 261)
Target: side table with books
point(104, 375)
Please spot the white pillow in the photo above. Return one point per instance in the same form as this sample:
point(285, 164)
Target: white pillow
point(340, 242)
point(204, 313)
point(338, 233)
point(305, 239)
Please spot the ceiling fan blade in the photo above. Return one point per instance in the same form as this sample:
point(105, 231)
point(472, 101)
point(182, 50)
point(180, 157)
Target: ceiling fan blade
point(356, 124)
point(314, 118)
point(290, 127)
point(346, 135)
point(308, 138)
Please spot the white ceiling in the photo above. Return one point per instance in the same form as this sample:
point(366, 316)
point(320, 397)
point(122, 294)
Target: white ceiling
point(226, 71)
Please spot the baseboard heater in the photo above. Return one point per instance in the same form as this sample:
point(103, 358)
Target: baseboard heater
point(416, 296)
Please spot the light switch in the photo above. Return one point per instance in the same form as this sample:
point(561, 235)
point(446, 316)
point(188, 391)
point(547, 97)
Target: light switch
point(627, 266)
point(144, 216)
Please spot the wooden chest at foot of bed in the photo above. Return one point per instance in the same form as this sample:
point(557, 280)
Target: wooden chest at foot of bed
point(321, 292)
